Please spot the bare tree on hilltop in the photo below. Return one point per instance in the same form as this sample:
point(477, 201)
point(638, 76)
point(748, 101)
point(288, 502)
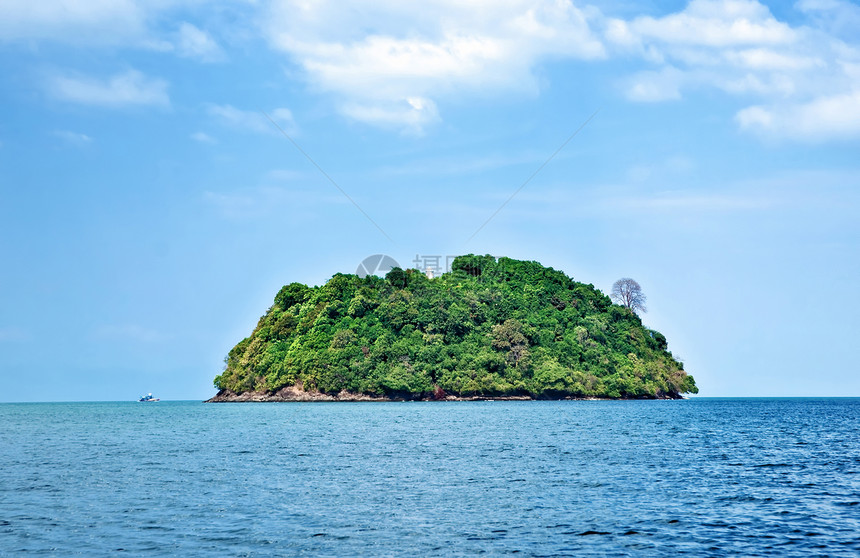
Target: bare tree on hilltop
point(628, 293)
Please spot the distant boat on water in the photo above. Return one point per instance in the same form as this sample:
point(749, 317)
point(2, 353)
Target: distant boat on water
point(148, 398)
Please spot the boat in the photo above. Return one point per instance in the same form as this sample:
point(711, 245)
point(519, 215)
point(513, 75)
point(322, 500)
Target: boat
point(148, 398)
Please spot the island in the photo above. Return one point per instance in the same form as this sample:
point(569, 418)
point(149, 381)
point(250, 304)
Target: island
point(488, 329)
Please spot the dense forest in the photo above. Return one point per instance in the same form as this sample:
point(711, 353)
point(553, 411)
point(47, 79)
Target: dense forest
point(487, 328)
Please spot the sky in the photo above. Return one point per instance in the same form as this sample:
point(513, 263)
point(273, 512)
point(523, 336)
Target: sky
point(167, 165)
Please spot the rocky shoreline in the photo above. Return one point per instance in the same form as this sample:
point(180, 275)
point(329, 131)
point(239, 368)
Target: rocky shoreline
point(295, 394)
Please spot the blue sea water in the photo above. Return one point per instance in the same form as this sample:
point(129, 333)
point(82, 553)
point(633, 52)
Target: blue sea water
point(703, 477)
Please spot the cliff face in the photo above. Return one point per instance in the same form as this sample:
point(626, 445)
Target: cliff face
point(490, 328)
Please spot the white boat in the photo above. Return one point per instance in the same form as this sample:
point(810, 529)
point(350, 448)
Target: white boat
point(148, 398)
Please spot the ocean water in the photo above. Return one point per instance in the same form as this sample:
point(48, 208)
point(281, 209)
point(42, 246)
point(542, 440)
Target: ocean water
point(703, 477)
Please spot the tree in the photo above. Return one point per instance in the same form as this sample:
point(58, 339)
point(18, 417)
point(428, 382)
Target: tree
point(628, 293)
point(509, 336)
point(292, 294)
point(397, 278)
point(472, 265)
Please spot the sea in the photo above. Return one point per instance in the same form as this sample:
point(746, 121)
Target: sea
point(699, 477)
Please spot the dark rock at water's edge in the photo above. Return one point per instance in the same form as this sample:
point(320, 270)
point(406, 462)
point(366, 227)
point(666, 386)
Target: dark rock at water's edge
point(295, 394)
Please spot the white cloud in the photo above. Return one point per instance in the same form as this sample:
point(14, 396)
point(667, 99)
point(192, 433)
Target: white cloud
point(838, 17)
point(73, 138)
point(803, 80)
point(769, 59)
point(736, 45)
point(196, 43)
point(125, 89)
point(395, 64)
point(89, 22)
point(203, 137)
point(110, 23)
point(390, 62)
point(651, 86)
point(714, 23)
point(254, 121)
point(826, 117)
point(755, 118)
point(765, 85)
point(412, 114)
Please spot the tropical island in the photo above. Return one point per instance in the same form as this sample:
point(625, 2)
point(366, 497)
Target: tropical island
point(490, 328)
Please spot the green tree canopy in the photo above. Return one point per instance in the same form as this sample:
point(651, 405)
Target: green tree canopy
point(491, 327)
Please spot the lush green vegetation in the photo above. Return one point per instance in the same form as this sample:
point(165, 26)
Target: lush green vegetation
point(488, 327)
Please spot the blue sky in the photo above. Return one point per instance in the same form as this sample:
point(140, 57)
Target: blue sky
point(150, 210)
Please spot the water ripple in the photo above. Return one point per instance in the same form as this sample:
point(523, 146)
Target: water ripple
point(704, 477)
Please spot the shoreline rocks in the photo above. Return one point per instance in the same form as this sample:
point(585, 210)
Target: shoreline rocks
point(294, 394)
